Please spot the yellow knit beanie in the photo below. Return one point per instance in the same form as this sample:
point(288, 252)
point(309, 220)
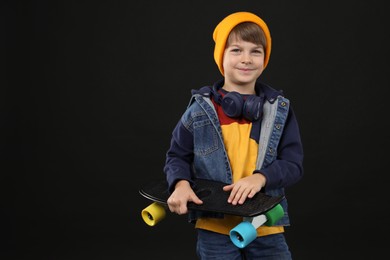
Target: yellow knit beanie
point(223, 29)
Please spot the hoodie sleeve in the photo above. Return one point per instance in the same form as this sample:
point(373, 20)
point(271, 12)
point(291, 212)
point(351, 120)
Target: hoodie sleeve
point(179, 156)
point(287, 169)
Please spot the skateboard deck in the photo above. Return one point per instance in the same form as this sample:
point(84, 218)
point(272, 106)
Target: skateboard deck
point(213, 197)
point(260, 210)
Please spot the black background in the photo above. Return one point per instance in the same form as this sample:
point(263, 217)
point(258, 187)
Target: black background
point(90, 92)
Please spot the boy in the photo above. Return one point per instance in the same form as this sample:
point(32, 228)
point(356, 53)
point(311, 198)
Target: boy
point(241, 132)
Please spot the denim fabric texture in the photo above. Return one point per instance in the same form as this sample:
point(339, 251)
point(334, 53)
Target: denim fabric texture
point(211, 245)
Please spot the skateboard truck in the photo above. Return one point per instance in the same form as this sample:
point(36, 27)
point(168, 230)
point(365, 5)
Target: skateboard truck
point(245, 232)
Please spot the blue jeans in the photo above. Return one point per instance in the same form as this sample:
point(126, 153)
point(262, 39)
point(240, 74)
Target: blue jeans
point(211, 245)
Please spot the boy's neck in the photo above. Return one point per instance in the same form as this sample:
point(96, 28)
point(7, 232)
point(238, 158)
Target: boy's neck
point(245, 89)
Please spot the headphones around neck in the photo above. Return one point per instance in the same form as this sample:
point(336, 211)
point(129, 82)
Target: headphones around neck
point(235, 105)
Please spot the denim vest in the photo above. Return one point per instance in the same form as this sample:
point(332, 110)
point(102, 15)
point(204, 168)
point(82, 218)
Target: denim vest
point(210, 157)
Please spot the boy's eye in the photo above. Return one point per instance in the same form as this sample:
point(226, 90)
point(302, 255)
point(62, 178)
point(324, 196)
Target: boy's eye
point(236, 50)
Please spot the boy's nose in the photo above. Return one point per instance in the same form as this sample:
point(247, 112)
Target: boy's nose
point(246, 58)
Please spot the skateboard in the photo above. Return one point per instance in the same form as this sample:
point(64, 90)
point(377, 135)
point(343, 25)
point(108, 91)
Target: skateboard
point(260, 210)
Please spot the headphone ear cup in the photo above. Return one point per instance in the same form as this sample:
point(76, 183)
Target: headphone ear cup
point(252, 108)
point(232, 104)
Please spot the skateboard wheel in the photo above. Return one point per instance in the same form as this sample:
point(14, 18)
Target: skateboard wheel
point(243, 234)
point(273, 215)
point(153, 214)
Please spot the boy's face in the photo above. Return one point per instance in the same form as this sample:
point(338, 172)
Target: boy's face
point(243, 62)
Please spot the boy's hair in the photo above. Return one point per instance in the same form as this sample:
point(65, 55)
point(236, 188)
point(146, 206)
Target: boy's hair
point(249, 32)
point(223, 29)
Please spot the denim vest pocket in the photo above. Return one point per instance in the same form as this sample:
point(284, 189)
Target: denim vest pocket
point(205, 138)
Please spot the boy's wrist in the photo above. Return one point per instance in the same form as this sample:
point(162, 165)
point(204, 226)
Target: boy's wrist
point(264, 178)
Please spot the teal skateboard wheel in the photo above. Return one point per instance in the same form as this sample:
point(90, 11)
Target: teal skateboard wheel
point(243, 234)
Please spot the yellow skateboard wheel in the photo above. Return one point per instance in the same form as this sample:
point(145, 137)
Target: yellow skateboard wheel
point(153, 214)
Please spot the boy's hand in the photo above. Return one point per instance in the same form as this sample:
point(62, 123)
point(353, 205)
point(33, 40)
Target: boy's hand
point(179, 198)
point(245, 188)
